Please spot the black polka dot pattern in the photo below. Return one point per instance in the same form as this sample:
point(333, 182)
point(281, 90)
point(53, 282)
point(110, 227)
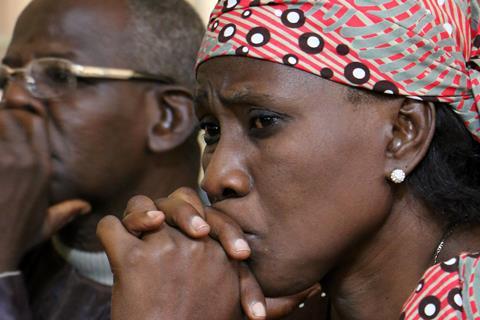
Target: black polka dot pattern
point(246, 14)
point(293, 18)
point(476, 42)
point(420, 285)
point(326, 73)
point(311, 43)
point(258, 36)
point(455, 299)
point(385, 86)
point(242, 51)
point(450, 265)
point(429, 307)
point(227, 32)
point(290, 59)
point(343, 49)
point(229, 5)
point(214, 26)
point(357, 73)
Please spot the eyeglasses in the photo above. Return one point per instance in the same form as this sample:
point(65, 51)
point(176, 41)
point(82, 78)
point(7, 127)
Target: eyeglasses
point(48, 78)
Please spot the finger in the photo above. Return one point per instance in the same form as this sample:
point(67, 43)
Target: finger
point(251, 295)
point(143, 221)
point(278, 308)
point(228, 233)
point(181, 214)
point(139, 204)
point(115, 239)
point(190, 196)
point(62, 213)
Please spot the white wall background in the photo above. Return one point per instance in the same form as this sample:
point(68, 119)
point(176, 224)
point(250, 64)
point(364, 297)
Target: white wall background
point(10, 9)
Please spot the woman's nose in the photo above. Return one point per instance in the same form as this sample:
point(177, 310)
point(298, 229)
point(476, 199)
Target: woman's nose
point(226, 176)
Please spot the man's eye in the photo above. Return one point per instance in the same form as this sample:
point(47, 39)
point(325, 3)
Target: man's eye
point(211, 132)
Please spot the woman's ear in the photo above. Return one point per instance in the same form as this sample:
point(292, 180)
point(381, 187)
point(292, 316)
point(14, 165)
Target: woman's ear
point(172, 118)
point(412, 132)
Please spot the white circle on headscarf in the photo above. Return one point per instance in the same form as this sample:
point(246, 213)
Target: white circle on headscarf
point(231, 3)
point(292, 60)
point(257, 38)
point(430, 309)
point(293, 17)
point(458, 300)
point(313, 42)
point(359, 73)
point(229, 31)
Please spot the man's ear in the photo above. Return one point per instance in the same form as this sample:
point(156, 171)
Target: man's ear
point(171, 117)
point(412, 132)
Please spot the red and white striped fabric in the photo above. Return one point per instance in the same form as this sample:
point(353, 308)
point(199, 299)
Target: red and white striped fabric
point(448, 290)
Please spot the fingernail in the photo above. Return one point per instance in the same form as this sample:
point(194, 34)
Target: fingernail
point(258, 309)
point(154, 214)
point(241, 245)
point(199, 224)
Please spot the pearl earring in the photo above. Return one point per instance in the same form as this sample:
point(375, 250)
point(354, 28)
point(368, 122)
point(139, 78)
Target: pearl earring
point(397, 176)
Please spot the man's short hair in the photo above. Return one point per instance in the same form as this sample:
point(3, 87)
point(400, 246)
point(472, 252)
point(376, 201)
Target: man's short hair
point(166, 36)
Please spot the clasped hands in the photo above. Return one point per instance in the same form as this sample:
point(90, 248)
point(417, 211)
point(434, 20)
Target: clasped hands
point(173, 258)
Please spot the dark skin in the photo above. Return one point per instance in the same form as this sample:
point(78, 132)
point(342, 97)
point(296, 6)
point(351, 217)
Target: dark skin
point(303, 172)
point(102, 143)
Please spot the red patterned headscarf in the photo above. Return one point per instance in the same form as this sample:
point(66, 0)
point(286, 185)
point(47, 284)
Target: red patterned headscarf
point(424, 49)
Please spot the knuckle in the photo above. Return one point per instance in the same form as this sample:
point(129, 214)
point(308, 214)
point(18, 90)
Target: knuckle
point(135, 256)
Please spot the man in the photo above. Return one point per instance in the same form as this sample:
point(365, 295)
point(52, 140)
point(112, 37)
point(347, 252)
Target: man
point(96, 108)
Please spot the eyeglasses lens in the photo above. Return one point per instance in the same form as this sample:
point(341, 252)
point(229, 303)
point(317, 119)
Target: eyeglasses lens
point(50, 78)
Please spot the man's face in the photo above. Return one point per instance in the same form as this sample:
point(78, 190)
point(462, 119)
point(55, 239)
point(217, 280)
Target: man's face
point(97, 132)
point(299, 167)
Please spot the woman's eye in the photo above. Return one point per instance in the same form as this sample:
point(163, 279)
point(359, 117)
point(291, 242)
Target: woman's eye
point(261, 122)
point(211, 132)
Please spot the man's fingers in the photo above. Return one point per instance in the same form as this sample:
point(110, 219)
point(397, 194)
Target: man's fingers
point(228, 233)
point(184, 216)
point(116, 240)
point(140, 222)
point(62, 213)
point(251, 295)
point(280, 307)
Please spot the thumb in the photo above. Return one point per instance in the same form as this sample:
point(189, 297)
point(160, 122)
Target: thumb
point(62, 213)
point(282, 306)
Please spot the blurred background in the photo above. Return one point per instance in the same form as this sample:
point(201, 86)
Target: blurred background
point(10, 9)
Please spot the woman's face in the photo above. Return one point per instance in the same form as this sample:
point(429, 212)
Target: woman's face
point(299, 167)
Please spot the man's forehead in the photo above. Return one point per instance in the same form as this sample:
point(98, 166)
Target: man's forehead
point(86, 28)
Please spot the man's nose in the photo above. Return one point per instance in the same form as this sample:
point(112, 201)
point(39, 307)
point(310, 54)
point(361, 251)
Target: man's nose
point(226, 176)
point(16, 96)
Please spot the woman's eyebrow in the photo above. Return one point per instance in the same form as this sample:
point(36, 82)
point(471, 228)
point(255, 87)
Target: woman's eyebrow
point(243, 95)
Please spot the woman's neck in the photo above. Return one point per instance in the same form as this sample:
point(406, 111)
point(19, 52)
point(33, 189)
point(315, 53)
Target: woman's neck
point(375, 280)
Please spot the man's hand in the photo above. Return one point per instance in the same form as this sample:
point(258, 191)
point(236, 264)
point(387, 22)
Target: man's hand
point(167, 275)
point(24, 177)
point(184, 210)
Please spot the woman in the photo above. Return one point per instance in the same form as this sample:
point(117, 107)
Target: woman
point(346, 152)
